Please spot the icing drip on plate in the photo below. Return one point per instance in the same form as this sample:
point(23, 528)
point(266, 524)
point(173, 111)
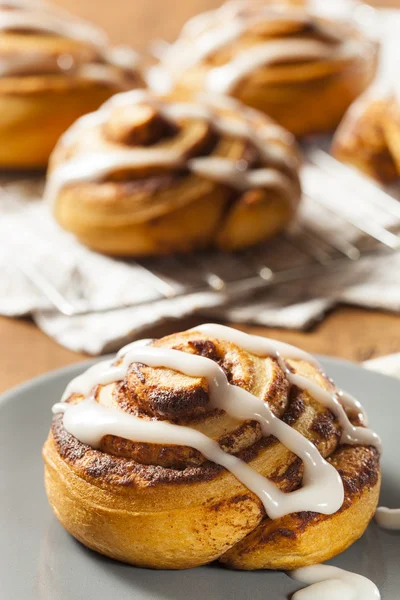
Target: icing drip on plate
point(388, 518)
point(322, 489)
point(331, 583)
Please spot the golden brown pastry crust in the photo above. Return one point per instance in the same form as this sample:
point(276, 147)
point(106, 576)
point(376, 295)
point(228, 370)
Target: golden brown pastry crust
point(160, 209)
point(32, 121)
point(367, 137)
point(391, 129)
point(167, 507)
point(39, 100)
point(305, 97)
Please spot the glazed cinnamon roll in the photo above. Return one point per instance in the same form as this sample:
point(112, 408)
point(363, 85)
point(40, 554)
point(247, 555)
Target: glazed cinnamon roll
point(54, 68)
point(147, 175)
point(369, 136)
point(207, 445)
point(300, 69)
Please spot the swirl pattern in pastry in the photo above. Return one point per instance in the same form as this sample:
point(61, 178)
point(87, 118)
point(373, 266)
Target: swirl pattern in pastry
point(149, 175)
point(54, 67)
point(206, 435)
point(300, 69)
point(368, 137)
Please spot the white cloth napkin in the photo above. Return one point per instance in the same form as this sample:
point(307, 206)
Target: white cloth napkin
point(32, 240)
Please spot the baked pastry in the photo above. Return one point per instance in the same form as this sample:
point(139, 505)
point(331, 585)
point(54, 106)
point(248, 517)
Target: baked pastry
point(369, 136)
point(302, 70)
point(54, 68)
point(169, 456)
point(146, 175)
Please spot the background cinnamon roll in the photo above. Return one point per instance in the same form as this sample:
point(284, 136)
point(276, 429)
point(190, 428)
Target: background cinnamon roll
point(148, 175)
point(302, 70)
point(369, 136)
point(54, 67)
point(211, 445)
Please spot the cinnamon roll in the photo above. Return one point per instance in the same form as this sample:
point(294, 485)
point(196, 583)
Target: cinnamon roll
point(369, 136)
point(147, 175)
point(207, 445)
point(300, 69)
point(54, 68)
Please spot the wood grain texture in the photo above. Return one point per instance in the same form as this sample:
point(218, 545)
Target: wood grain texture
point(350, 333)
point(347, 332)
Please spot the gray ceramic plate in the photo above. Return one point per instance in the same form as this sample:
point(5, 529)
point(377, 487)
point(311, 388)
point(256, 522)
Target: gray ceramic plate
point(38, 559)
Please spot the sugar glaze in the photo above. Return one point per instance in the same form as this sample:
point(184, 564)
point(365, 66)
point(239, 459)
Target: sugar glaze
point(331, 583)
point(224, 79)
point(41, 17)
point(210, 32)
point(322, 490)
point(94, 166)
point(388, 518)
point(89, 421)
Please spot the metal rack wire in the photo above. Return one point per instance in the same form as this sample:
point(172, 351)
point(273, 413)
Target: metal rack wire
point(348, 197)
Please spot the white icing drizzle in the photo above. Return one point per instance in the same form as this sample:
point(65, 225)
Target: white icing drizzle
point(97, 165)
point(206, 34)
point(144, 342)
point(234, 127)
point(352, 404)
point(78, 385)
point(200, 110)
point(206, 44)
point(225, 171)
point(265, 347)
point(331, 583)
point(75, 29)
point(273, 130)
point(29, 5)
point(123, 57)
point(49, 19)
point(224, 79)
point(82, 384)
point(16, 64)
point(209, 32)
point(388, 518)
point(203, 109)
point(100, 116)
point(41, 4)
point(102, 73)
point(89, 420)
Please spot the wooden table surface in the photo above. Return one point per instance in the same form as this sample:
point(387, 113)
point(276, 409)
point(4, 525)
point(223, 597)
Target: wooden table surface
point(347, 332)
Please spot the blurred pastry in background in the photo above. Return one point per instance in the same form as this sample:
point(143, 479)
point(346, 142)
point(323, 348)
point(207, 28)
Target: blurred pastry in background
point(300, 69)
point(369, 136)
point(148, 175)
point(391, 127)
point(54, 67)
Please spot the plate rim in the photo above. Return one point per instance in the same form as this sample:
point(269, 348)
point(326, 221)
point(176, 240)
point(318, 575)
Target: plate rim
point(18, 394)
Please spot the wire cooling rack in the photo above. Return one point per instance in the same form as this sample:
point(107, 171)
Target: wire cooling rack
point(347, 218)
